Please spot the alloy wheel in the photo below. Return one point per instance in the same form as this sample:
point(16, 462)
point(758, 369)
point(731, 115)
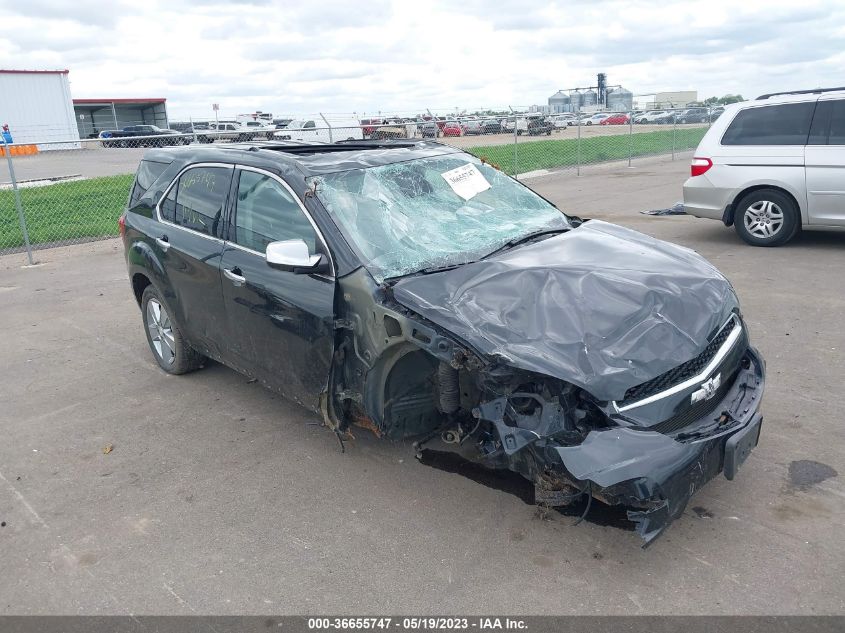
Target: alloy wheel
point(161, 331)
point(763, 219)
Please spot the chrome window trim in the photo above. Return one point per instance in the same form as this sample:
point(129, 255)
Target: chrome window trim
point(302, 208)
point(173, 183)
point(727, 346)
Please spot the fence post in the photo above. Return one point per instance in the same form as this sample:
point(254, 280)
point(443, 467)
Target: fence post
point(18, 205)
point(630, 138)
point(578, 163)
point(674, 130)
point(328, 125)
point(515, 125)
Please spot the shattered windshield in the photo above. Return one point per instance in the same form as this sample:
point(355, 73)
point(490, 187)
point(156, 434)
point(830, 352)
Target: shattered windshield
point(431, 212)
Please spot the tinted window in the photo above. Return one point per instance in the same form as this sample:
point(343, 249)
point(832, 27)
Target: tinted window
point(148, 171)
point(196, 200)
point(828, 124)
point(787, 124)
point(837, 123)
point(267, 212)
point(167, 209)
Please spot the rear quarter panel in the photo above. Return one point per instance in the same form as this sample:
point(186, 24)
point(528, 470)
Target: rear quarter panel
point(737, 168)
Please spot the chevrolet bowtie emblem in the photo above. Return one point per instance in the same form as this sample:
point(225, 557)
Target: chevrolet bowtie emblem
point(707, 390)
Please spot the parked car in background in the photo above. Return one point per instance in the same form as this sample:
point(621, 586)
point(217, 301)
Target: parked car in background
point(562, 121)
point(452, 128)
point(231, 131)
point(368, 126)
point(667, 117)
point(596, 119)
point(472, 126)
point(142, 136)
point(694, 115)
point(716, 112)
point(511, 122)
point(259, 128)
point(491, 126)
point(281, 124)
point(650, 116)
point(428, 129)
point(314, 130)
point(395, 129)
point(539, 125)
point(402, 287)
point(619, 118)
point(773, 167)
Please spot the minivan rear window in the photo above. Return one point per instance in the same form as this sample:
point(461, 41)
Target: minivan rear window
point(148, 172)
point(786, 124)
point(829, 123)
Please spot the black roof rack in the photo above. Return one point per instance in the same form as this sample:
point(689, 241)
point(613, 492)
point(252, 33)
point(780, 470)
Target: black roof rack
point(800, 92)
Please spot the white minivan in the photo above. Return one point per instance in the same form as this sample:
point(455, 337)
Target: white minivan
point(318, 131)
point(773, 166)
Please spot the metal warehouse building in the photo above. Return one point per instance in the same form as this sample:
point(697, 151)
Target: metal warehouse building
point(95, 115)
point(37, 106)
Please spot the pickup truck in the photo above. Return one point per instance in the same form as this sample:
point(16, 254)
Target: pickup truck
point(142, 136)
point(233, 131)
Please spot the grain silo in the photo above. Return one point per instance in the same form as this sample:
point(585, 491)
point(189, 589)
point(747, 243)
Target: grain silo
point(620, 100)
point(558, 102)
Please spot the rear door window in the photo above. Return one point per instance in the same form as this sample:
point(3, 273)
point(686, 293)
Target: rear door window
point(197, 200)
point(786, 124)
point(148, 172)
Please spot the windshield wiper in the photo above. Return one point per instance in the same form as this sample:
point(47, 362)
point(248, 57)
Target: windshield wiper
point(439, 269)
point(526, 238)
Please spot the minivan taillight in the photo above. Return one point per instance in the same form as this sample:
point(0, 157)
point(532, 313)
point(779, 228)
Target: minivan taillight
point(699, 165)
point(121, 225)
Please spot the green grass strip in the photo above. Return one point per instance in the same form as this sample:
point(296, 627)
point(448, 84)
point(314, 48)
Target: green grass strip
point(65, 210)
point(551, 153)
point(90, 208)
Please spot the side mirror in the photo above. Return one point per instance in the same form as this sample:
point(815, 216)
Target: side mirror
point(293, 256)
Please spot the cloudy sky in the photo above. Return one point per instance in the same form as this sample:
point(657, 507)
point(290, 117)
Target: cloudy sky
point(404, 56)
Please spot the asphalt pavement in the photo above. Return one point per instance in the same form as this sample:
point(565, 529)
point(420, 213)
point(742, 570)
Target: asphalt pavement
point(125, 490)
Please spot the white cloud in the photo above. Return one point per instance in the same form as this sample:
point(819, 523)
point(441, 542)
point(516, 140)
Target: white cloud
point(340, 56)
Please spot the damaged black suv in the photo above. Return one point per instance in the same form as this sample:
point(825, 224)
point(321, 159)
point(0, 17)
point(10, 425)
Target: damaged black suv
point(411, 289)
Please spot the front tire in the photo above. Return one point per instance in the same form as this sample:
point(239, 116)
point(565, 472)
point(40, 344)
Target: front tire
point(168, 345)
point(766, 217)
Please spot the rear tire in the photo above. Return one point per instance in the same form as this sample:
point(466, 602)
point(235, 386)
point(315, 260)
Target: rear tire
point(766, 217)
point(168, 345)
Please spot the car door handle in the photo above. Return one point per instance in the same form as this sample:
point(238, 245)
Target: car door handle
point(232, 274)
point(163, 243)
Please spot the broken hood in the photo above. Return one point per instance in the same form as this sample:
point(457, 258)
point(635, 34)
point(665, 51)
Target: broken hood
point(601, 306)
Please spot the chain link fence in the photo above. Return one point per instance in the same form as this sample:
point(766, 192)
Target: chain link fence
point(64, 191)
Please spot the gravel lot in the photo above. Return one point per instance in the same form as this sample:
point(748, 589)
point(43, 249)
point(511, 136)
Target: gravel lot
point(218, 497)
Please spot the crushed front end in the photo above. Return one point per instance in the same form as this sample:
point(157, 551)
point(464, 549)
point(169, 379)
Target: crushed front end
point(649, 453)
point(598, 362)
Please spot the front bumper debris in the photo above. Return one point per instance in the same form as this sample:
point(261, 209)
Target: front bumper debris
point(652, 474)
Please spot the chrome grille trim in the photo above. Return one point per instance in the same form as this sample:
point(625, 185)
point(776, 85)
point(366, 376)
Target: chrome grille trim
point(733, 337)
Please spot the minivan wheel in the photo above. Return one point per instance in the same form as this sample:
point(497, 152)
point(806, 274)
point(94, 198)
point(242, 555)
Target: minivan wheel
point(169, 347)
point(766, 218)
